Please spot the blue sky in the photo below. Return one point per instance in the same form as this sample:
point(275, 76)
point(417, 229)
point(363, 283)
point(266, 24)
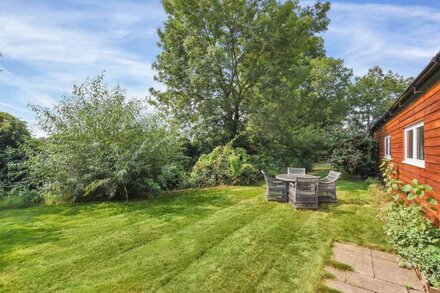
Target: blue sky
point(48, 45)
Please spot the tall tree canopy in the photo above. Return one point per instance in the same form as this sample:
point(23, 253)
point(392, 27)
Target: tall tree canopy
point(372, 94)
point(13, 132)
point(221, 61)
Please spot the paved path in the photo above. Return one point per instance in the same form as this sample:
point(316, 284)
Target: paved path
point(373, 271)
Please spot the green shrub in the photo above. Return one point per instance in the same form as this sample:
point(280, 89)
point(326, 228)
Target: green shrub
point(414, 237)
point(224, 165)
point(102, 145)
point(268, 163)
point(20, 197)
point(356, 154)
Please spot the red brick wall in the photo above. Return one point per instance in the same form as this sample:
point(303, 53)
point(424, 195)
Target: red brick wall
point(425, 109)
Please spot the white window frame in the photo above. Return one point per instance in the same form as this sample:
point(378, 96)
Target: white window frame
point(413, 161)
point(387, 147)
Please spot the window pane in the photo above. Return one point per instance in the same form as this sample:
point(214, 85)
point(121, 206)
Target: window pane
point(420, 143)
point(409, 144)
point(389, 145)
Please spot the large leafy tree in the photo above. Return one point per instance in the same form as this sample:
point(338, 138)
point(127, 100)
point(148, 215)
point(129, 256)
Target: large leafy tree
point(222, 60)
point(372, 94)
point(294, 123)
point(13, 132)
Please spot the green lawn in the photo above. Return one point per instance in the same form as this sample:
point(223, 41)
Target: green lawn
point(223, 239)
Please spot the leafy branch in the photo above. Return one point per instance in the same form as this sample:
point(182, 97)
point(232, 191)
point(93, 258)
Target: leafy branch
point(394, 186)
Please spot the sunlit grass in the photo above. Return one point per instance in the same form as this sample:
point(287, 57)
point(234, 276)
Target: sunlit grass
point(222, 239)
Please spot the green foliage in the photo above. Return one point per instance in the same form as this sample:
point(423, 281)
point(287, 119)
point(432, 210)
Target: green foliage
point(410, 192)
point(13, 132)
point(414, 237)
point(224, 165)
point(220, 61)
point(19, 197)
point(225, 84)
point(372, 95)
point(295, 147)
point(355, 152)
point(102, 145)
point(267, 162)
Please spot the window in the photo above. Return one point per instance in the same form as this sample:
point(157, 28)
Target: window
point(387, 147)
point(414, 145)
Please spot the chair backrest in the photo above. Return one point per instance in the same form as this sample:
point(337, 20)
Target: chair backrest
point(268, 179)
point(265, 176)
point(333, 175)
point(307, 183)
point(296, 171)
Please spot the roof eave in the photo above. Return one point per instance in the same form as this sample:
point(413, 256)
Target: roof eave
point(433, 65)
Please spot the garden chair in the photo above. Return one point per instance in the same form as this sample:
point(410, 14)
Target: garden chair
point(304, 193)
point(275, 189)
point(296, 171)
point(327, 187)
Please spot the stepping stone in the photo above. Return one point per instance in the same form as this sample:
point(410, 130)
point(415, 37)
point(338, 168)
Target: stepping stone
point(344, 287)
point(384, 255)
point(373, 271)
point(360, 262)
point(354, 248)
point(373, 284)
point(389, 271)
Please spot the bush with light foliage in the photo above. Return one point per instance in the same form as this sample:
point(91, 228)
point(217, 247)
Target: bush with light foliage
point(224, 165)
point(102, 145)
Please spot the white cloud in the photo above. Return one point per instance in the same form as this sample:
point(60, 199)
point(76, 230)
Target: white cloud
point(397, 37)
point(55, 48)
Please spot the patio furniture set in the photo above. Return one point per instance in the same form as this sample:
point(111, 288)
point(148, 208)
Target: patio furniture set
point(303, 191)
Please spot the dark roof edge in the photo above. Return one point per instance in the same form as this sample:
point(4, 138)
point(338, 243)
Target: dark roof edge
point(410, 90)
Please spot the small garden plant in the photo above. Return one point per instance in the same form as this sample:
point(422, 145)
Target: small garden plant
point(415, 238)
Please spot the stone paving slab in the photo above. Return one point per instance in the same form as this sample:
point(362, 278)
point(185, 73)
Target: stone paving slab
point(390, 271)
point(354, 248)
point(373, 284)
point(344, 287)
point(384, 255)
point(360, 262)
point(373, 271)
